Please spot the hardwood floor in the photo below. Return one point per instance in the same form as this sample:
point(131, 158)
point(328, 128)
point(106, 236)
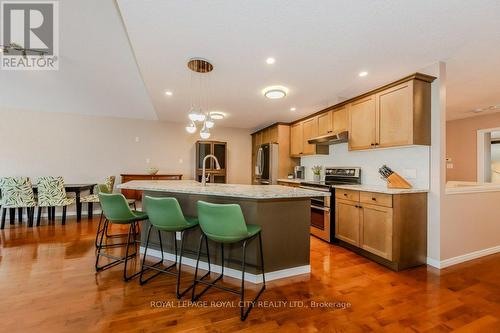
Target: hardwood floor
point(48, 284)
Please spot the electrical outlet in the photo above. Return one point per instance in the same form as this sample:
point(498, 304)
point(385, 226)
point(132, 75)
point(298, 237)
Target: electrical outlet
point(181, 161)
point(449, 165)
point(410, 173)
point(137, 139)
point(178, 235)
point(148, 160)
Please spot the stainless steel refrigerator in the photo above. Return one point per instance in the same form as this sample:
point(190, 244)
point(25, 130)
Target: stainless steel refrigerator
point(266, 166)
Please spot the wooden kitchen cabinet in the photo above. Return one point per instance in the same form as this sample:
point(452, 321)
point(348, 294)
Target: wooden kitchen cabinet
point(300, 134)
point(403, 113)
point(296, 139)
point(376, 230)
point(219, 150)
point(389, 229)
point(273, 134)
point(396, 116)
point(339, 119)
point(362, 123)
point(265, 138)
point(347, 221)
point(325, 123)
point(310, 130)
point(333, 121)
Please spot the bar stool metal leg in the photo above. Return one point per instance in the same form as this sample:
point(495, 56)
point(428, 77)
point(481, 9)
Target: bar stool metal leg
point(148, 267)
point(244, 311)
point(117, 260)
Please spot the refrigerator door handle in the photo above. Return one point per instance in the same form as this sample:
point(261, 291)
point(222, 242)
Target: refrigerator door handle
point(259, 162)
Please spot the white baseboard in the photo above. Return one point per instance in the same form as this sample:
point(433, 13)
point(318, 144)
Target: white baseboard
point(253, 278)
point(463, 258)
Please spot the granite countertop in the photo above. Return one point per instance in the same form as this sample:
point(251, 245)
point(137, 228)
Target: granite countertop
point(288, 180)
point(223, 190)
point(461, 187)
point(380, 189)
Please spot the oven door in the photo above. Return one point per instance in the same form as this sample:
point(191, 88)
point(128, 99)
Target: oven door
point(320, 220)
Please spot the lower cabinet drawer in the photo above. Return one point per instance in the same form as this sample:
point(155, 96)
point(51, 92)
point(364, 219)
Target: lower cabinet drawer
point(347, 194)
point(373, 198)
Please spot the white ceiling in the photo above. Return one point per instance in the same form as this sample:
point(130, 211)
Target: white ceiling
point(97, 72)
point(320, 47)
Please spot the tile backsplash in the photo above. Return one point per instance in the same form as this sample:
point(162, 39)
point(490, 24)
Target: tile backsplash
point(412, 162)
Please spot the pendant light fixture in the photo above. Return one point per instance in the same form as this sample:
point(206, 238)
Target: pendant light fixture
point(191, 128)
point(209, 122)
point(204, 133)
point(198, 112)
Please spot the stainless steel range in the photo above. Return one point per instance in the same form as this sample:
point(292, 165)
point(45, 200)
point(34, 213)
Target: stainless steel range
point(323, 208)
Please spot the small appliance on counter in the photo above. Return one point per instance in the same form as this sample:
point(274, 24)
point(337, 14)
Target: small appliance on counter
point(299, 172)
point(323, 208)
point(266, 166)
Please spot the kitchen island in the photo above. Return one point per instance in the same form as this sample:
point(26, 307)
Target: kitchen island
point(282, 212)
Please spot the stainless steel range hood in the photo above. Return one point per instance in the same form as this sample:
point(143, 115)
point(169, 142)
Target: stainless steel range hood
point(330, 138)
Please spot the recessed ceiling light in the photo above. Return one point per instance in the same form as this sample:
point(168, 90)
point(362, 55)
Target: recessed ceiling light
point(293, 108)
point(361, 74)
point(270, 61)
point(168, 93)
point(478, 110)
point(217, 115)
point(275, 92)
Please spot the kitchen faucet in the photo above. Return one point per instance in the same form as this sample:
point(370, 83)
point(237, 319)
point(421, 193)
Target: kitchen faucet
point(217, 166)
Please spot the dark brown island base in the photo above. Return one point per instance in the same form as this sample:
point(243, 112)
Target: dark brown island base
point(283, 213)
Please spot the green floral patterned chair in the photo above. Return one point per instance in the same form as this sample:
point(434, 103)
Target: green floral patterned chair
point(17, 192)
point(110, 183)
point(94, 198)
point(51, 193)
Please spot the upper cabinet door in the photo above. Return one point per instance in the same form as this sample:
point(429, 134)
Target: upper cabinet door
point(310, 130)
point(273, 134)
point(395, 116)
point(339, 119)
point(325, 123)
point(265, 136)
point(362, 124)
point(296, 139)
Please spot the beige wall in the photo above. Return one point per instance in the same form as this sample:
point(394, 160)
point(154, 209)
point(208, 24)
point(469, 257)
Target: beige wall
point(88, 148)
point(470, 223)
point(461, 145)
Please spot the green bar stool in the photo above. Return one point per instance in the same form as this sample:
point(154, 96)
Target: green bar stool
point(165, 215)
point(108, 189)
point(225, 224)
point(117, 210)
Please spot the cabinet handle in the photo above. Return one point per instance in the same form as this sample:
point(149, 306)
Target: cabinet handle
point(345, 194)
point(372, 144)
point(329, 131)
point(374, 199)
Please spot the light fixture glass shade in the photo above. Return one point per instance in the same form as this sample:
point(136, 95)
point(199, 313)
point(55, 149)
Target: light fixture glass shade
point(216, 115)
point(209, 123)
point(195, 114)
point(191, 128)
point(275, 92)
point(204, 133)
point(201, 117)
